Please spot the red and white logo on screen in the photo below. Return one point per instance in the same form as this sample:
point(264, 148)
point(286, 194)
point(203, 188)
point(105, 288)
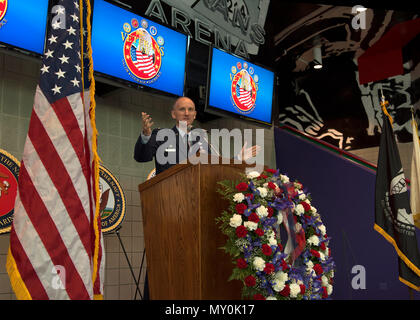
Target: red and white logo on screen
point(142, 53)
point(243, 87)
point(3, 8)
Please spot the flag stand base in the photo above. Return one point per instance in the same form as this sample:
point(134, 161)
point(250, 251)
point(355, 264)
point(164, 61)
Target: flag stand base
point(136, 281)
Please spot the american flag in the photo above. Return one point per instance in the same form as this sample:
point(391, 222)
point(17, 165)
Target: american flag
point(143, 62)
point(56, 244)
point(244, 97)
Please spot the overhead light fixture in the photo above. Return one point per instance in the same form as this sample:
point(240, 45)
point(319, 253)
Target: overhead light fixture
point(317, 62)
point(360, 9)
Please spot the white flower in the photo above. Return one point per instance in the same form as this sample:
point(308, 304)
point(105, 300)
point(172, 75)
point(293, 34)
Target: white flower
point(271, 298)
point(284, 179)
point(322, 229)
point(321, 256)
point(294, 290)
point(324, 281)
point(278, 285)
point(309, 268)
point(253, 174)
point(299, 210)
point(307, 201)
point(236, 220)
point(251, 226)
point(329, 289)
point(263, 192)
point(238, 197)
point(272, 241)
point(302, 196)
point(313, 240)
point(262, 211)
point(281, 276)
point(298, 185)
point(259, 263)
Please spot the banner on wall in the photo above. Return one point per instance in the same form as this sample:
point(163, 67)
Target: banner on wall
point(9, 172)
point(112, 204)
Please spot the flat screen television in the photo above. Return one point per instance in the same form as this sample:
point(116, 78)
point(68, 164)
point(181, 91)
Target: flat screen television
point(134, 49)
point(237, 87)
point(23, 24)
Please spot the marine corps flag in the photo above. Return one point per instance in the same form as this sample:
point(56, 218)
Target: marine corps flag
point(56, 244)
point(393, 218)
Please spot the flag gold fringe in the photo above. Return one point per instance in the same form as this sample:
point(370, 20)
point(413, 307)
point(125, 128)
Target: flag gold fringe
point(96, 158)
point(384, 104)
point(401, 255)
point(416, 217)
point(409, 284)
point(16, 281)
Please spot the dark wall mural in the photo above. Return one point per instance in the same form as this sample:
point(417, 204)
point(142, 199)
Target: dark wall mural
point(330, 103)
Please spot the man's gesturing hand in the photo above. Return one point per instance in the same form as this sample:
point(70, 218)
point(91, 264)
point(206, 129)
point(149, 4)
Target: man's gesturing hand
point(147, 124)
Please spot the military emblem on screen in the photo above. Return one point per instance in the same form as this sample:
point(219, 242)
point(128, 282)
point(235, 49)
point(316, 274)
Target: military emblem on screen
point(3, 9)
point(244, 87)
point(143, 51)
point(9, 172)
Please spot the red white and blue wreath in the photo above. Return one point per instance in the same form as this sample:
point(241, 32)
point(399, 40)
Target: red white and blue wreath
point(261, 208)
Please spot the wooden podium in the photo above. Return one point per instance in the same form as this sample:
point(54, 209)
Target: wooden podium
point(182, 240)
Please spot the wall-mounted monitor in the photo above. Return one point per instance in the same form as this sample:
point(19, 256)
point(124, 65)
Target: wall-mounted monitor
point(239, 88)
point(23, 24)
point(132, 48)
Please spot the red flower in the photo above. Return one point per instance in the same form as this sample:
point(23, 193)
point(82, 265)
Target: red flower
point(250, 196)
point(315, 253)
point(271, 185)
point(243, 186)
point(318, 269)
point(270, 212)
point(302, 289)
point(284, 265)
point(286, 291)
point(241, 231)
point(259, 232)
point(323, 246)
point(253, 217)
point(262, 176)
point(271, 170)
point(306, 206)
point(250, 281)
point(241, 263)
point(292, 192)
point(266, 250)
point(258, 296)
point(269, 268)
point(280, 247)
point(240, 208)
point(324, 293)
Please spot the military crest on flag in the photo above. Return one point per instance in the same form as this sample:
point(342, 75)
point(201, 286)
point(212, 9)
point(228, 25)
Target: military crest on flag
point(393, 216)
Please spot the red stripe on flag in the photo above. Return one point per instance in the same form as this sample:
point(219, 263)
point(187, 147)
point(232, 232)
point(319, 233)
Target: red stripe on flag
point(68, 120)
point(61, 180)
point(26, 271)
point(49, 235)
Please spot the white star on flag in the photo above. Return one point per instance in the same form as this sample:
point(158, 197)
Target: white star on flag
point(56, 89)
point(49, 53)
point(75, 82)
point(60, 73)
point(52, 39)
point(68, 44)
point(64, 59)
point(44, 68)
